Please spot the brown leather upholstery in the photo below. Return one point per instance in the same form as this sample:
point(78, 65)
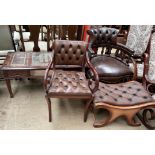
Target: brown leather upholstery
point(103, 34)
point(109, 68)
point(69, 83)
point(72, 83)
point(69, 52)
point(124, 94)
point(110, 59)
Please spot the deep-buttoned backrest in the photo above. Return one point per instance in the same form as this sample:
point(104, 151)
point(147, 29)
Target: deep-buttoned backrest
point(103, 35)
point(68, 52)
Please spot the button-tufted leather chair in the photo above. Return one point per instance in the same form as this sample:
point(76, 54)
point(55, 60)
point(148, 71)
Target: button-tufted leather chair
point(110, 59)
point(69, 83)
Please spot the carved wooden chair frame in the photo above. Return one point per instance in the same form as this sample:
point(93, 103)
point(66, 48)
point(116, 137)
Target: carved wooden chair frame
point(48, 79)
point(121, 53)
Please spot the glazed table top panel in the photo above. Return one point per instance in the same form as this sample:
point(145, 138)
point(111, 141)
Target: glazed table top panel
point(27, 60)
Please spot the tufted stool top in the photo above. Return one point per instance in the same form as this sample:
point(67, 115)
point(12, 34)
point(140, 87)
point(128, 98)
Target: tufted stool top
point(124, 94)
point(69, 83)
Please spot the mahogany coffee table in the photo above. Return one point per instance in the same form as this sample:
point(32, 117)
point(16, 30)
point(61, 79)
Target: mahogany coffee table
point(21, 64)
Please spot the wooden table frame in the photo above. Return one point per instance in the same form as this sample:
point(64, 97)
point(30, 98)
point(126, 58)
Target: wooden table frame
point(21, 64)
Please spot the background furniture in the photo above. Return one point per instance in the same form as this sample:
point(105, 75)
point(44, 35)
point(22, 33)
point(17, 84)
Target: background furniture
point(33, 43)
point(137, 40)
point(110, 59)
point(22, 64)
point(68, 83)
point(149, 82)
point(6, 44)
point(70, 32)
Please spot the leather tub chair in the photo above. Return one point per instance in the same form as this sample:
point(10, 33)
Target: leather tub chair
point(110, 59)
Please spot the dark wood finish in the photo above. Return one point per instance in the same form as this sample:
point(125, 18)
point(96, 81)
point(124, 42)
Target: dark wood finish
point(8, 83)
point(21, 38)
point(35, 30)
point(21, 64)
point(60, 59)
point(72, 32)
point(115, 56)
point(34, 36)
point(148, 84)
point(79, 32)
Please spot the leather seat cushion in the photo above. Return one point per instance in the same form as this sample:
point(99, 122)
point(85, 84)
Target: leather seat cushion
point(110, 68)
point(124, 94)
point(69, 83)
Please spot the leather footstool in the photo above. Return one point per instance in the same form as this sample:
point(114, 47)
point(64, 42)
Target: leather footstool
point(125, 99)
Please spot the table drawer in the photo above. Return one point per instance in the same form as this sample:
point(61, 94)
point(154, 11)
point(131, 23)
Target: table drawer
point(15, 73)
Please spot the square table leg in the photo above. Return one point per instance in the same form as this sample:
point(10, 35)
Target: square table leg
point(8, 83)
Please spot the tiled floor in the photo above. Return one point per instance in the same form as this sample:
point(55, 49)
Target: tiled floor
point(28, 110)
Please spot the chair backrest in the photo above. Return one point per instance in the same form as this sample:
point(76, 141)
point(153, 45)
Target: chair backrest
point(102, 35)
point(151, 69)
point(138, 38)
point(33, 37)
point(103, 41)
point(68, 52)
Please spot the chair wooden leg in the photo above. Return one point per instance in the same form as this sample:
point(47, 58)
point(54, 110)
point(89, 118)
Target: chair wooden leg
point(87, 108)
point(49, 108)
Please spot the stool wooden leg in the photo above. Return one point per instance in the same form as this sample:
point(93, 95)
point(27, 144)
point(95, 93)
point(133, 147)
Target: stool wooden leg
point(111, 118)
point(131, 121)
point(129, 112)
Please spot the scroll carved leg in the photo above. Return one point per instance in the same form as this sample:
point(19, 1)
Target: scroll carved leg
point(145, 120)
point(131, 121)
point(111, 118)
point(115, 113)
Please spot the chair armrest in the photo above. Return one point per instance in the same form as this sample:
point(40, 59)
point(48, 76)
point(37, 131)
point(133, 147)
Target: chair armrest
point(96, 77)
point(147, 83)
point(47, 75)
point(125, 47)
point(91, 52)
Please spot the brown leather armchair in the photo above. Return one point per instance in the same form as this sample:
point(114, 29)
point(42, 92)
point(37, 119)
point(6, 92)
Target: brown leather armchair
point(110, 59)
point(69, 83)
